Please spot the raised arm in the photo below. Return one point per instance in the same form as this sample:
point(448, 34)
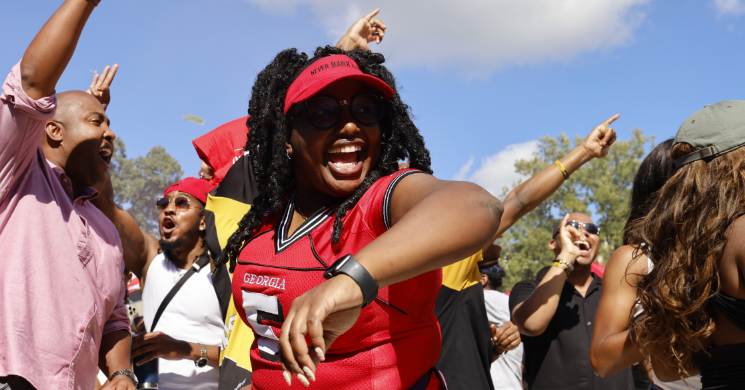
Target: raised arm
point(366, 30)
point(534, 314)
point(48, 54)
point(612, 348)
point(528, 195)
point(452, 220)
point(139, 247)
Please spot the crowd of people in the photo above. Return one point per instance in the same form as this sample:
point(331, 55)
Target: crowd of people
point(307, 255)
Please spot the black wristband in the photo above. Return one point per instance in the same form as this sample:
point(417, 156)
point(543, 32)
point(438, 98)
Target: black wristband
point(347, 265)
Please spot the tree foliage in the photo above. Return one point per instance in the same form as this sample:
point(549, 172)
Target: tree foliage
point(601, 188)
point(139, 182)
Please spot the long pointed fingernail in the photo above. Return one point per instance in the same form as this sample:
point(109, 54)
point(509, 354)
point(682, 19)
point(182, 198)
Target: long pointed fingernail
point(303, 379)
point(309, 373)
point(288, 377)
point(320, 354)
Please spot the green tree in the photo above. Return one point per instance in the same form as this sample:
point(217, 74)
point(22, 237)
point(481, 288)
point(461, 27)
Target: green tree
point(139, 182)
point(601, 189)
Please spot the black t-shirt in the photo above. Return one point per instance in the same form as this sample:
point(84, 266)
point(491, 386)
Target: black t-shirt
point(559, 359)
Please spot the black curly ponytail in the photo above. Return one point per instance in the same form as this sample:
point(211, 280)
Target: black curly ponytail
point(269, 131)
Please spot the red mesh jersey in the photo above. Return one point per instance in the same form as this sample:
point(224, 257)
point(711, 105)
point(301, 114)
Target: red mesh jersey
point(396, 339)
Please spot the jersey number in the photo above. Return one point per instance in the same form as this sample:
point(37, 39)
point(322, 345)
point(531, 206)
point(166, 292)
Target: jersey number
point(260, 308)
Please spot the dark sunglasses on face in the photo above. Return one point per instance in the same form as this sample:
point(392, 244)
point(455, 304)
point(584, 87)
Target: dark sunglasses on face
point(590, 228)
point(324, 112)
point(181, 203)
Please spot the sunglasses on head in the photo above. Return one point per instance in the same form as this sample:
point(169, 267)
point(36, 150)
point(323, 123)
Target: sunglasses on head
point(324, 112)
point(590, 228)
point(181, 202)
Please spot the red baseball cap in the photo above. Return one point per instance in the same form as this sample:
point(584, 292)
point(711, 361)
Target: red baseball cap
point(197, 188)
point(324, 72)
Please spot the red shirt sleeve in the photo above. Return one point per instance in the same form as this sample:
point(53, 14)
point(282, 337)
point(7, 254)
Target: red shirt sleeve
point(376, 203)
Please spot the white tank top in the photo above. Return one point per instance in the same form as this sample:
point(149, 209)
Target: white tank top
point(694, 382)
point(193, 315)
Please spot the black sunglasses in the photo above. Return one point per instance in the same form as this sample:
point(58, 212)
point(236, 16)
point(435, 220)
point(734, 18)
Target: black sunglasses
point(324, 112)
point(589, 227)
point(181, 203)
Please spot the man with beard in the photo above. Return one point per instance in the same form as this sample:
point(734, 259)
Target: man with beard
point(61, 292)
point(556, 314)
point(187, 335)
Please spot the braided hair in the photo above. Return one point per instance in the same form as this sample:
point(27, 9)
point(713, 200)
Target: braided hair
point(270, 129)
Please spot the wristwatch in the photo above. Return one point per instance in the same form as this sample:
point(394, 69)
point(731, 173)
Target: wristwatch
point(347, 265)
point(202, 361)
point(128, 373)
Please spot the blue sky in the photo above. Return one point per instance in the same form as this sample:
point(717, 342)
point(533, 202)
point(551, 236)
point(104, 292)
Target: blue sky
point(483, 78)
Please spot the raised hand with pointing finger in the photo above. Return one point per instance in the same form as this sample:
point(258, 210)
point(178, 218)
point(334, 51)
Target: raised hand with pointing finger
point(101, 85)
point(601, 138)
point(366, 30)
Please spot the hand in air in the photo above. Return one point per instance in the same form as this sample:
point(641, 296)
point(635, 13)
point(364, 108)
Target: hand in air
point(567, 235)
point(366, 30)
point(505, 338)
point(601, 138)
point(100, 86)
point(323, 314)
point(159, 345)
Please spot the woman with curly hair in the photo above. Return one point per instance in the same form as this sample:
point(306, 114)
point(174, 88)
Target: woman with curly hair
point(694, 297)
point(337, 264)
point(612, 348)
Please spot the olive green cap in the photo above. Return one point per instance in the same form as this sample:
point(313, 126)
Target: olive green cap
point(714, 130)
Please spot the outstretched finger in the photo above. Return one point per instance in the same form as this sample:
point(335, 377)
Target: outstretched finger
point(110, 77)
point(285, 347)
point(93, 88)
point(102, 77)
point(611, 119)
point(298, 330)
point(369, 16)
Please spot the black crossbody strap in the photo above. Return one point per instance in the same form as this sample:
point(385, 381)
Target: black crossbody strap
point(203, 260)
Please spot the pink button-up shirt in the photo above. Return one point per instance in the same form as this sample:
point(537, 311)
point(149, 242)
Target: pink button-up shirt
point(61, 262)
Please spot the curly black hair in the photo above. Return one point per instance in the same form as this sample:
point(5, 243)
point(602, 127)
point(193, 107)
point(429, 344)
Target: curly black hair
point(270, 129)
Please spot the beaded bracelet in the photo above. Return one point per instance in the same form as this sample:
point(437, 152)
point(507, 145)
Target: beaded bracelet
point(566, 263)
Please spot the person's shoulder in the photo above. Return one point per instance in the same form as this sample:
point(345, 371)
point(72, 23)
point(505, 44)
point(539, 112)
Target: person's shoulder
point(523, 286)
point(627, 260)
point(388, 183)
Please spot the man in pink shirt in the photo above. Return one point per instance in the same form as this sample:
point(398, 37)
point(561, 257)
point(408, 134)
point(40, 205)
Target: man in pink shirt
point(61, 292)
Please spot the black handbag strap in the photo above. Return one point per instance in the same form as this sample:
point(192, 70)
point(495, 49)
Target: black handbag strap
point(203, 260)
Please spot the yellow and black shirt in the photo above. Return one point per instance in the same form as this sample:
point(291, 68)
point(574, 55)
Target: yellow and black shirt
point(226, 206)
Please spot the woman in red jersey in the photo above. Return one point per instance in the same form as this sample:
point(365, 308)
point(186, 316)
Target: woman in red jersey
point(338, 261)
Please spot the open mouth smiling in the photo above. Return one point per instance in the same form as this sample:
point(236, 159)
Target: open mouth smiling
point(345, 158)
point(106, 152)
point(584, 247)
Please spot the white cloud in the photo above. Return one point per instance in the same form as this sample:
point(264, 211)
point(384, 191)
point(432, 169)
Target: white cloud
point(729, 7)
point(477, 37)
point(463, 172)
point(498, 171)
